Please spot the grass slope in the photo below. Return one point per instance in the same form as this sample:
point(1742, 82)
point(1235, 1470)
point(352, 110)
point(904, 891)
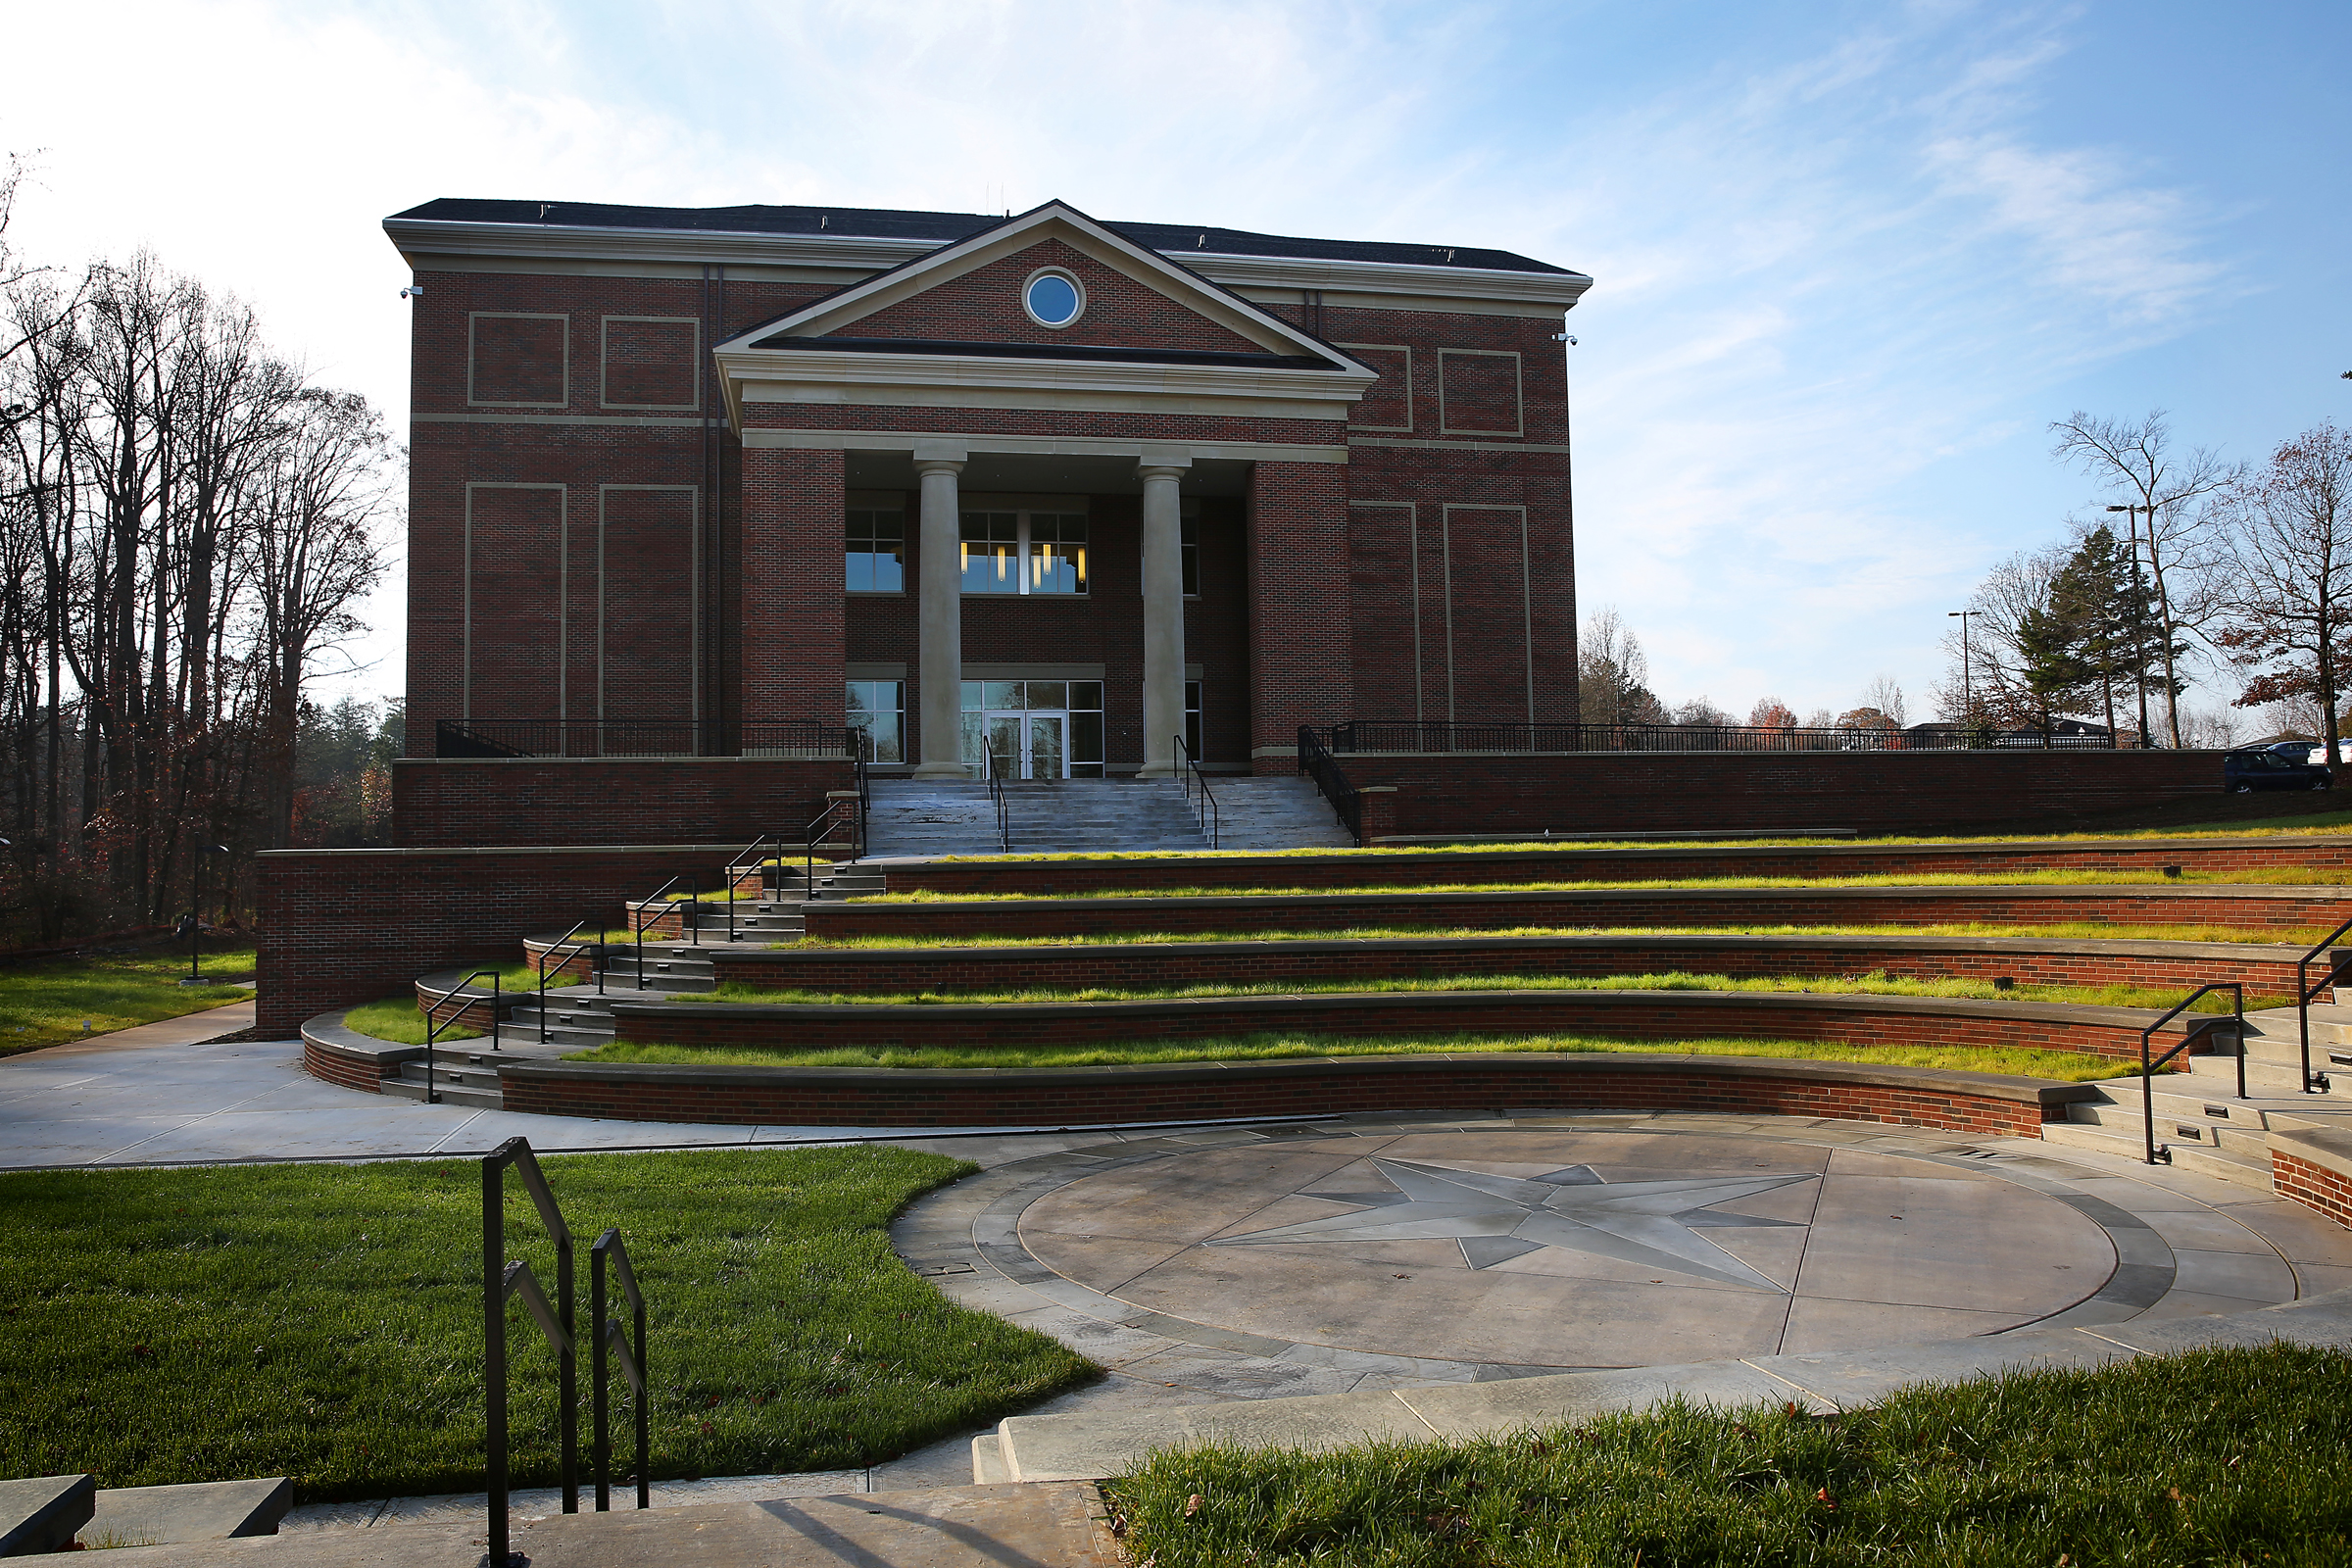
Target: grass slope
point(2205, 1458)
point(43, 1003)
point(1876, 984)
point(2064, 930)
point(2061, 1066)
point(2049, 876)
point(325, 1322)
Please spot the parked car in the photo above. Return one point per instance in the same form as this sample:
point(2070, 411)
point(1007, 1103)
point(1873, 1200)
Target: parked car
point(2268, 769)
point(2311, 750)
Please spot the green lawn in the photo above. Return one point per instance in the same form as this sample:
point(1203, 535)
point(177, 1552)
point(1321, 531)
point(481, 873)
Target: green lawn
point(2049, 876)
point(2064, 1067)
point(323, 1321)
point(42, 1003)
point(2212, 1458)
point(1876, 984)
point(2065, 930)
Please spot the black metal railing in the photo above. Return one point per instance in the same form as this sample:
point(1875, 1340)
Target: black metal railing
point(503, 1280)
point(751, 856)
point(658, 903)
point(2159, 1153)
point(1316, 763)
point(593, 951)
point(1415, 736)
point(995, 799)
point(2316, 1083)
point(434, 1024)
point(609, 1340)
point(848, 812)
point(809, 739)
point(1189, 776)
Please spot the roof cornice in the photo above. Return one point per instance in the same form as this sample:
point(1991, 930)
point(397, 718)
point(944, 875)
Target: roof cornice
point(416, 236)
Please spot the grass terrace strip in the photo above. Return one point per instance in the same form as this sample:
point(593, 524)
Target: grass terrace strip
point(47, 1001)
point(1875, 984)
point(1426, 865)
point(981, 968)
point(324, 1322)
point(2088, 876)
point(2257, 909)
point(2024, 1471)
point(2065, 930)
point(1869, 1019)
point(2058, 1067)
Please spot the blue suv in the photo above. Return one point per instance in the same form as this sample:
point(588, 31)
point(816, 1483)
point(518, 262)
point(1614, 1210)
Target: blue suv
point(2265, 768)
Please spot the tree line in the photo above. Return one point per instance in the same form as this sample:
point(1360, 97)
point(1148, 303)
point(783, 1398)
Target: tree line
point(2190, 564)
point(187, 520)
point(1612, 672)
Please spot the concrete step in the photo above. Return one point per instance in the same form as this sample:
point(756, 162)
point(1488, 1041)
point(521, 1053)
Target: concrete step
point(2264, 1079)
point(206, 1510)
point(2242, 1169)
point(41, 1514)
point(445, 1093)
point(2176, 1125)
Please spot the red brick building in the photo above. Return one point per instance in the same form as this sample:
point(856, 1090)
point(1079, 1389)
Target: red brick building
point(691, 481)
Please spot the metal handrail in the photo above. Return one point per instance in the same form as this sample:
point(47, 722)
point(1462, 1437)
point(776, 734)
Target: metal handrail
point(996, 797)
point(2316, 1083)
point(2162, 1154)
point(558, 946)
point(694, 893)
point(502, 1280)
point(1316, 761)
point(746, 857)
point(1190, 774)
point(821, 828)
point(608, 1338)
point(433, 1026)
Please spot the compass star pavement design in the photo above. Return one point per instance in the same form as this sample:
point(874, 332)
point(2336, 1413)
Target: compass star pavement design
point(1496, 1218)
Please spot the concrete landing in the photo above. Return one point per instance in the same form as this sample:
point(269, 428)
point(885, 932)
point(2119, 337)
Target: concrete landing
point(207, 1510)
point(948, 1527)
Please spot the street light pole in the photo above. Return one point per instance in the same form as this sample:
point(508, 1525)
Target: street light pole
point(2139, 599)
point(1967, 701)
point(196, 911)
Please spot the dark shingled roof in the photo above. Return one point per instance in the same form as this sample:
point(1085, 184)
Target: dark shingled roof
point(1173, 239)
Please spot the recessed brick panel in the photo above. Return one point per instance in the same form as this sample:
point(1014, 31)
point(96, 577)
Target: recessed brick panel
point(651, 361)
point(1380, 551)
point(514, 603)
point(1486, 581)
point(646, 615)
point(1480, 392)
point(519, 359)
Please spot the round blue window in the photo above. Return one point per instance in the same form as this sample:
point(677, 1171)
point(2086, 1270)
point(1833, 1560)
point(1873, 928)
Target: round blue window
point(1053, 299)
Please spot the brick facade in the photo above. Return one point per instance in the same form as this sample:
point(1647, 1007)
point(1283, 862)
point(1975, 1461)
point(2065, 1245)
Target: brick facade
point(463, 801)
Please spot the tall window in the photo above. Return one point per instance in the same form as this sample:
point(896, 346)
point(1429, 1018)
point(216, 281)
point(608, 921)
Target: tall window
point(877, 553)
point(1023, 553)
point(1191, 560)
point(877, 713)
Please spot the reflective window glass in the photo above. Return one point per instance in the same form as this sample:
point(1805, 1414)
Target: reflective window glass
point(1056, 554)
point(1086, 694)
point(1048, 694)
point(877, 713)
point(1053, 299)
point(1001, 693)
point(990, 546)
point(877, 552)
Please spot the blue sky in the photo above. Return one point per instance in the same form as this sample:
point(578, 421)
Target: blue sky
point(1852, 259)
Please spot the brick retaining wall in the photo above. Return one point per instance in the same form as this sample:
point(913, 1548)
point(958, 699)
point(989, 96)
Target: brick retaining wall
point(1863, 1020)
point(2248, 908)
point(1095, 1096)
point(1875, 792)
point(442, 801)
point(1403, 870)
point(871, 970)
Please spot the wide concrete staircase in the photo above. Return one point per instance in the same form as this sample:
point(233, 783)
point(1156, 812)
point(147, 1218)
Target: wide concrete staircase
point(1078, 815)
point(579, 1016)
point(2200, 1117)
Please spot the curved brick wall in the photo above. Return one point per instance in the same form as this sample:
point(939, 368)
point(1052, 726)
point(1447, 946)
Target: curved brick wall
point(1911, 1097)
point(1639, 1014)
point(1355, 870)
point(2205, 903)
point(2261, 969)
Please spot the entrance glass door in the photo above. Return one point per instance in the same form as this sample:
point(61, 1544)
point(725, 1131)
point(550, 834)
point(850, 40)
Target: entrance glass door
point(1027, 745)
point(1034, 730)
point(1046, 754)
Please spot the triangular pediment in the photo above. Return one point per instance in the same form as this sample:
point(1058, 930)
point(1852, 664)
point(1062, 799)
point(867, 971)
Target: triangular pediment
point(969, 298)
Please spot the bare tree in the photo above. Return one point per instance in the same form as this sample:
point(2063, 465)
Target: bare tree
point(2173, 532)
point(1885, 694)
point(1613, 674)
point(2290, 616)
point(2004, 607)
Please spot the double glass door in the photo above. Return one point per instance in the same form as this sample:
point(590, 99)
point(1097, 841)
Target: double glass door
point(1034, 730)
point(1028, 744)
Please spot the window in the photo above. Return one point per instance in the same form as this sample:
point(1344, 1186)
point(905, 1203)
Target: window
point(1023, 553)
point(877, 713)
point(1040, 720)
point(1052, 297)
point(1192, 561)
point(1192, 714)
point(877, 552)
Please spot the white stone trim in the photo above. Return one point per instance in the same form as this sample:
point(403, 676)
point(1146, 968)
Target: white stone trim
point(1559, 448)
point(1077, 286)
point(1049, 446)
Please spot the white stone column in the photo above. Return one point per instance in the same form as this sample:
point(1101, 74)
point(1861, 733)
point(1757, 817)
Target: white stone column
point(939, 616)
point(1163, 615)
